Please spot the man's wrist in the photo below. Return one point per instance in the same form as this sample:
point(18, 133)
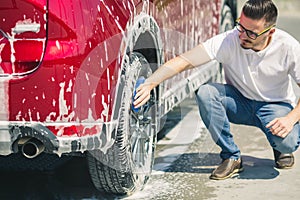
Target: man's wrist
point(151, 83)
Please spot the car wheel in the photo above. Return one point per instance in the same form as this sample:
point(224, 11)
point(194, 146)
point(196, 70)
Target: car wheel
point(127, 165)
point(227, 23)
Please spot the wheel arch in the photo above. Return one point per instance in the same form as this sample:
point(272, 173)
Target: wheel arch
point(151, 50)
point(232, 4)
point(142, 35)
point(227, 21)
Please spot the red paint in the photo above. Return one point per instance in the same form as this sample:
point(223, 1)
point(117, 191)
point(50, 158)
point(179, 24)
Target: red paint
point(66, 57)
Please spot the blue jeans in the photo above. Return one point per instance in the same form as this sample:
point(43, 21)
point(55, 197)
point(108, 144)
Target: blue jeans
point(221, 104)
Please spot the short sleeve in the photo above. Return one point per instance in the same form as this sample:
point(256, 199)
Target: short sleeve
point(294, 62)
point(219, 46)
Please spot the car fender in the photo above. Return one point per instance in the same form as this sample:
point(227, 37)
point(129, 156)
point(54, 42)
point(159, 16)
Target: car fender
point(142, 35)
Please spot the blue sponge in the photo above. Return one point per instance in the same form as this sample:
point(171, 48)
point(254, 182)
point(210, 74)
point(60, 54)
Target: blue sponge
point(140, 81)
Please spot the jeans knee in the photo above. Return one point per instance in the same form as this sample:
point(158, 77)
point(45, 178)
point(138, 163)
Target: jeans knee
point(205, 93)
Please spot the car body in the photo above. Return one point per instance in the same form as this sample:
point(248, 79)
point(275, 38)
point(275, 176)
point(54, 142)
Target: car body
point(69, 69)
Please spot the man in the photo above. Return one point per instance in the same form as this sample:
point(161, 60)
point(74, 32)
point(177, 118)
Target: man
point(259, 61)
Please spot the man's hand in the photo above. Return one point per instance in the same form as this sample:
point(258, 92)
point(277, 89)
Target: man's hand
point(281, 127)
point(142, 94)
point(195, 57)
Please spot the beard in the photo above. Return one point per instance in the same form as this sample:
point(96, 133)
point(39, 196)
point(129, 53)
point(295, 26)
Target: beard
point(254, 45)
point(246, 44)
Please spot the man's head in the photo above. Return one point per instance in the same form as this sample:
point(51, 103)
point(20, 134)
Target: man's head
point(256, 24)
point(261, 9)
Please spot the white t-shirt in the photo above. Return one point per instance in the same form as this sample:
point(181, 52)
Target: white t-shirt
point(264, 75)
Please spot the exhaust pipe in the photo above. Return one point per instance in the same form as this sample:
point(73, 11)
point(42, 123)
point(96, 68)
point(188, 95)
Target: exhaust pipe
point(32, 148)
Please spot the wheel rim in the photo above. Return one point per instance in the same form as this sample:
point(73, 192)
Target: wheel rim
point(142, 128)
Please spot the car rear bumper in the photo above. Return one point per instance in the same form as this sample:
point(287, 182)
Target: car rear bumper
point(15, 134)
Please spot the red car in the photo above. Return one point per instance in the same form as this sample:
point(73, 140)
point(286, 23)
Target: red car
point(68, 73)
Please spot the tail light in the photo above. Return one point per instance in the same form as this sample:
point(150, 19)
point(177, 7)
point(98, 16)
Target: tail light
point(22, 35)
point(21, 56)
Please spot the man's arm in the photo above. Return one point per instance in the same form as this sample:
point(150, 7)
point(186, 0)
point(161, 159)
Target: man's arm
point(195, 57)
point(284, 125)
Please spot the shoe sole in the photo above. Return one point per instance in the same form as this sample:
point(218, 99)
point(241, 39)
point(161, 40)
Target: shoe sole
point(234, 172)
point(284, 167)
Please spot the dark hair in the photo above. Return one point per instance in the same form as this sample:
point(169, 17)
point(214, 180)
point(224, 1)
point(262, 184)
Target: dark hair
point(259, 9)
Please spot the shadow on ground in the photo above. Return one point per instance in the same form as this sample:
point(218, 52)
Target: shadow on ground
point(205, 163)
point(70, 181)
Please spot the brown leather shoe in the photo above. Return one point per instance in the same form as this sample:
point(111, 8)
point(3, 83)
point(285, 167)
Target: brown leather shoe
point(283, 160)
point(227, 169)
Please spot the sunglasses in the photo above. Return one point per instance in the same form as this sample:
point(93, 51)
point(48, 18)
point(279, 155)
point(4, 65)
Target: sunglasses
point(250, 33)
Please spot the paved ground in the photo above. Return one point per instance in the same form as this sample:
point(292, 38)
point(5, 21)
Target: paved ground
point(260, 180)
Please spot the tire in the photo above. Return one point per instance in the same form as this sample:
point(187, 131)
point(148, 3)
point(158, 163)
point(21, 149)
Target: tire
point(127, 166)
point(227, 23)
